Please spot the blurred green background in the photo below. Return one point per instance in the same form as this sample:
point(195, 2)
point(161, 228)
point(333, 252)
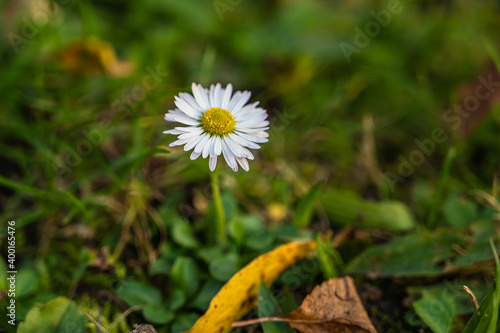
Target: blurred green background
point(111, 217)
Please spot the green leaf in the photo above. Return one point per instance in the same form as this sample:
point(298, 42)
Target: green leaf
point(134, 293)
point(268, 306)
point(59, 315)
point(229, 204)
point(437, 311)
point(492, 327)
point(176, 300)
point(305, 207)
point(250, 231)
point(459, 212)
point(424, 253)
point(327, 256)
point(346, 208)
point(461, 299)
point(479, 249)
point(480, 320)
point(182, 233)
point(209, 254)
point(160, 265)
point(224, 267)
point(300, 274)
point(185, 275)
point(184, 322)
point(3, 274)
point(205, 295)
point(26, 280)
point(259, 240)
point(486, 317)
point(236, 230)
point(158, 314)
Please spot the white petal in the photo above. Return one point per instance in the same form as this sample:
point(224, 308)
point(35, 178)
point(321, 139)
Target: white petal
point(252, 122)
point(215, 95)
point(211, 96)
point(200, 95)
point(212, 163)
point(252, 129)
point(199, 147)
point(228, 156)
point(243, 142)
point(184, 119)
point(265, 123)
point(212, 148)
point(218, 146)
point(248, 154)
point(227, 96)
point(235, 169)
point(232, 102)
point(173, 132)
point(243, 162)
point(186, 108)
point(191, 101)
point(179, 143)
point(208, 147)
point(252, 138)
point(236, 107)
point(246, 110)
point(261, 134)
point(190, 134)
point(254, 114)
point(234, 147)
point(194, 155)
point(191, 144)
point(188, 129)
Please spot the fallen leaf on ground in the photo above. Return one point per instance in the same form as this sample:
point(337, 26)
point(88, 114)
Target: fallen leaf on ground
point(93, 55)
point(239, 295)
point(333, 306)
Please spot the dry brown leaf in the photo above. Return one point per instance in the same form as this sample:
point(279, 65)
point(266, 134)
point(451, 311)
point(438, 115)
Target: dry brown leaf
point(334, 306)
point(239, 295)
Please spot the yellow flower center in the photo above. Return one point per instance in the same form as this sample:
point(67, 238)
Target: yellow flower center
point(217, 121)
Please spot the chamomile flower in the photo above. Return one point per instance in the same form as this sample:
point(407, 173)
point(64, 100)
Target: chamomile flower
point(218, 122)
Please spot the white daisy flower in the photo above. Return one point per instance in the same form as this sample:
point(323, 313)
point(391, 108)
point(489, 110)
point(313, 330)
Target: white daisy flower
point(218, 122)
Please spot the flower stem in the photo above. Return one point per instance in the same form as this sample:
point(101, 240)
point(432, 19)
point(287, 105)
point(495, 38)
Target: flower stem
point(219, 210)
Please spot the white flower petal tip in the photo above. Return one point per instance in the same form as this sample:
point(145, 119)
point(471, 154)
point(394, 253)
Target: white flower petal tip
point(194, 155)
point(212, 163)
point(218, 122)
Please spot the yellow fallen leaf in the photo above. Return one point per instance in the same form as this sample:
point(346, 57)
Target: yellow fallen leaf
point(239, 295)
point(93, 55)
